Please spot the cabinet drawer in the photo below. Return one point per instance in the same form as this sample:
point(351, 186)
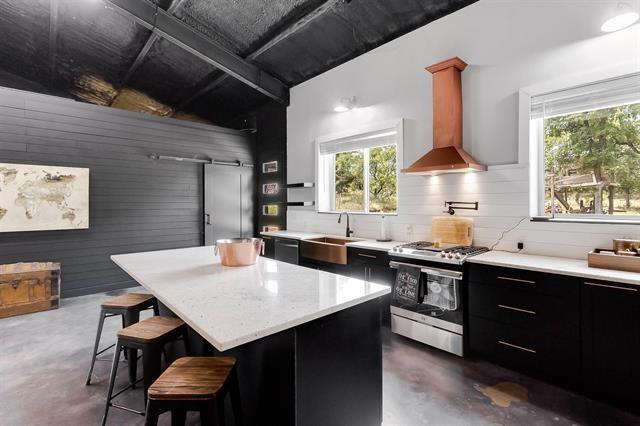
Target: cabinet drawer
point(525, 309)
point(359, 256)
point(530, 351)
point(536, 282)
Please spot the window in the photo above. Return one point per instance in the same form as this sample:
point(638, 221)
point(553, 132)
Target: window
point(359, 173)
point(588, 150)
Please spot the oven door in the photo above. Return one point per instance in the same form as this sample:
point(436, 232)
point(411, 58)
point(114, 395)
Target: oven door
point(440, 300)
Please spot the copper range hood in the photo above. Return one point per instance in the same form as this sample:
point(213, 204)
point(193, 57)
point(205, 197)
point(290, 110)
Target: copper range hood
point(447, 155)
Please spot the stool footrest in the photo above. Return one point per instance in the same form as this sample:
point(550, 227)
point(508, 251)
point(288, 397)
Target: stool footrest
point(105, 349)
point(124, 389)
point(131, 410)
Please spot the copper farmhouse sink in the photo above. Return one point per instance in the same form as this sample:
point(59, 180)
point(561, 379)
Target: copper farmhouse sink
point(326, 249)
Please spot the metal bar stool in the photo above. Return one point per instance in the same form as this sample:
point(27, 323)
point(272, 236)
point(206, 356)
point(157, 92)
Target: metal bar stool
point(128, 306)
point(195, 384)
point(148, 336)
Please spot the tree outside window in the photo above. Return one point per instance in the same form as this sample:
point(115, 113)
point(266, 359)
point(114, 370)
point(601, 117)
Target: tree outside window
point(366, 180)
point(592, 162)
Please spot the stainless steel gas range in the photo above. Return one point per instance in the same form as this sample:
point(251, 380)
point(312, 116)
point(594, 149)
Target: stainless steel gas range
point(437, 319)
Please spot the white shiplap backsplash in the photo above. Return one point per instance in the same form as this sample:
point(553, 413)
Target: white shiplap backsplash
point(503, 196)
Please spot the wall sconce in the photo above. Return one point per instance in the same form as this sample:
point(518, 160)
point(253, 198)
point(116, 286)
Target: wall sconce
point(346, 104)
point(624, 17)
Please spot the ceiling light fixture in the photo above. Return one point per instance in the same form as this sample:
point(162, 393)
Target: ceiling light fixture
point(624, 17)
point(346, 104)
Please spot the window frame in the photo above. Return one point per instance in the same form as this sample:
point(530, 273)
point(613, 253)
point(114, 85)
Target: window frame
point(329, 193)
point(531, 151)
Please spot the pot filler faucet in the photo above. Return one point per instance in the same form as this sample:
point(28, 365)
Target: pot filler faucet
point(348, 231)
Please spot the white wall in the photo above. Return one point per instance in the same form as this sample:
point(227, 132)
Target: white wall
point(508, 45)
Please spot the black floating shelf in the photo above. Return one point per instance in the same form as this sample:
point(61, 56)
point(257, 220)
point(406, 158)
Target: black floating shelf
point(299, 203)
point(301, 185)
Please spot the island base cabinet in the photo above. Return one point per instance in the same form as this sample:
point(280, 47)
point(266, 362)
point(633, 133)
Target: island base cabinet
point(611, 342)
point(324, 372)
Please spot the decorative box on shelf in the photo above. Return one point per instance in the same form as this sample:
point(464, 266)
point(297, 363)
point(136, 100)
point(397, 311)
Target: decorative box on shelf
point(29, 287)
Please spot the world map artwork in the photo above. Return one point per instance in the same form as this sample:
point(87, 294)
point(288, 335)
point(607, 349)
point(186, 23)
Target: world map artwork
point(34, 198)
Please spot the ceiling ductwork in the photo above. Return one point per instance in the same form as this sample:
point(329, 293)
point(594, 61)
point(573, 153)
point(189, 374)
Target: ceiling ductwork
point(447, 155)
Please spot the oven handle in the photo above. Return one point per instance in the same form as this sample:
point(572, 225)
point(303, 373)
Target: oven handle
point(431, 271)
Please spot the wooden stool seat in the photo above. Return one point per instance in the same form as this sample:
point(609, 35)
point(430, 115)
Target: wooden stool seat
point(129, 301)
point(192, 378)
point(150, 329)
point(195, 384)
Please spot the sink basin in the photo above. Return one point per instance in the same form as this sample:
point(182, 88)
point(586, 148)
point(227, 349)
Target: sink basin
point(326, 249)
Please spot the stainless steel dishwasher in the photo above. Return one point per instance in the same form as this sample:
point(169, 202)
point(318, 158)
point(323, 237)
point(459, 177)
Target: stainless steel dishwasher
point(286, 250)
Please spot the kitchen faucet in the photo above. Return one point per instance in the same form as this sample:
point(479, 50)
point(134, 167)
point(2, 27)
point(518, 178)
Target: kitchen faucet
point(348, 231)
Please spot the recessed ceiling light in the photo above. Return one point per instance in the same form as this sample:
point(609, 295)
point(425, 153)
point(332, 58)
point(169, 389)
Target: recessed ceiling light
point(623, 18)
point(346, 104)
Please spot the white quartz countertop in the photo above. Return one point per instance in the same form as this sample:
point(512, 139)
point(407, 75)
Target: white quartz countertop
point(554, 265)
point(231, 306)
point(375, 245)
point(294, 235)
point(365, 243)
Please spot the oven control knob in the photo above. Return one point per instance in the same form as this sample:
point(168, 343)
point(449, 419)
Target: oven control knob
point(450, 255)
point(443, 253)
point(458, 256)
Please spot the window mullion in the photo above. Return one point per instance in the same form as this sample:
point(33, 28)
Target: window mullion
point(366, 180)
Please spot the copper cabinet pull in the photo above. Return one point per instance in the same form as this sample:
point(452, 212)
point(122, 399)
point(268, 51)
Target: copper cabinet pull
point(367, 255)
point(516, 279)
point(511, 345)
point(610, 286)
point(526, 311)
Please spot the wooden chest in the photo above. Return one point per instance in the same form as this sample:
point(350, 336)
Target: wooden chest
point(28, 287)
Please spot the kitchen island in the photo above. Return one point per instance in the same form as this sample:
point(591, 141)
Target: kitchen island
point(307, 342)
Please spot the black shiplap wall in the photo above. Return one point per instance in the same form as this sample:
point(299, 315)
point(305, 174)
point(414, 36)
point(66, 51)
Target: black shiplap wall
point(136, 204)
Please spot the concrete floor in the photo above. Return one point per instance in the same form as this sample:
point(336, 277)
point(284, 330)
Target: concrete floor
point(44, 359)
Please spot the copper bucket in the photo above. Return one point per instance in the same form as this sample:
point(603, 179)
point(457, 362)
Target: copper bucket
point(239, 251)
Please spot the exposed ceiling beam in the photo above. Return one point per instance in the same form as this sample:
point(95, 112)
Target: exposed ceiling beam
point(53, 40)
point(280, 36)
point(179, 33)
point(175, 4)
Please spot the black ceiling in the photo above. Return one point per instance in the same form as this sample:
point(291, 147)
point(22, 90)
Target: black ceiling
point(91, 50)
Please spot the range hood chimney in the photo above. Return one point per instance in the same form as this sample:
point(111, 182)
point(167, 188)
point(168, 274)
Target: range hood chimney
point(447, 155)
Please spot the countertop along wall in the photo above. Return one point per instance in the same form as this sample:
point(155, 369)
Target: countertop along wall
point(508, 46)
point(136, 204)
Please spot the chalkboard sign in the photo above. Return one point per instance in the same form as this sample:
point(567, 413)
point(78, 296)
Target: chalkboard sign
point(407, 286)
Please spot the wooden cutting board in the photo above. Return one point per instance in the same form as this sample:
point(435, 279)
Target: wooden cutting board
point(453, 230)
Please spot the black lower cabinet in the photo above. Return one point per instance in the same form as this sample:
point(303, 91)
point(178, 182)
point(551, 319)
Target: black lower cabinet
point(580, 333)
point(269, 247)
point(611, 342)
point(373, 266)
point(538, 353)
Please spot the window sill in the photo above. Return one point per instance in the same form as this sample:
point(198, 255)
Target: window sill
point(358, 213)
point(580, 220)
